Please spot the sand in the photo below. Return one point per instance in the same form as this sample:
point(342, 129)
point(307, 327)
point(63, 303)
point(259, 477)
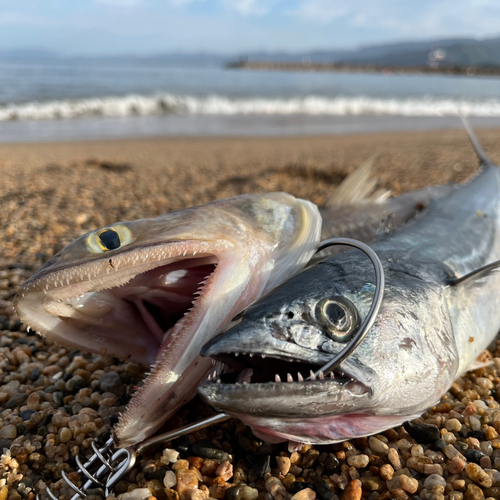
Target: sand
point(51, 193)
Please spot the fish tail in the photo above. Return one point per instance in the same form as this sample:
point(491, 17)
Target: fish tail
point(483, 157)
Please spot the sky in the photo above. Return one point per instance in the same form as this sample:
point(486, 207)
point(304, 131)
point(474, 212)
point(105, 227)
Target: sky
point(107, 27)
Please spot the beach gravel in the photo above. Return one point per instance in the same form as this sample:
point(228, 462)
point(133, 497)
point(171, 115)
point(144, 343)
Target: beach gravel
point(54, 400)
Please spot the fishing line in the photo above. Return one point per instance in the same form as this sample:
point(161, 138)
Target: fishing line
point(376, 302)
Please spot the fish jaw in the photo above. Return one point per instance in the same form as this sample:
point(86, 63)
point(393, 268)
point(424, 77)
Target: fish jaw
point(404, 365)
point(321, 430)
point(178, 369)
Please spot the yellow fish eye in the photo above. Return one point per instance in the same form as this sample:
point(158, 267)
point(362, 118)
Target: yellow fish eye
point(108, 238)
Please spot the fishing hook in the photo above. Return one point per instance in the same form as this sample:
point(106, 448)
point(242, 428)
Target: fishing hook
point(108, 465)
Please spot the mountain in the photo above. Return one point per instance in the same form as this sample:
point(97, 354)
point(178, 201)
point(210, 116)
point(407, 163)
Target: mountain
point(443, 52)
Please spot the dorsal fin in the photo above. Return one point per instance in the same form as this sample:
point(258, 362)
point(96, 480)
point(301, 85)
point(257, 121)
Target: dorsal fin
point(483, 157)
point(358, 187)
point(476, 274)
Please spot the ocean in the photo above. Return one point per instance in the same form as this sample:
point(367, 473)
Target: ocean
point(69, 100)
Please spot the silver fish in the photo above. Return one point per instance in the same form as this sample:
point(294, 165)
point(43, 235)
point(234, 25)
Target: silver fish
point(440, 310)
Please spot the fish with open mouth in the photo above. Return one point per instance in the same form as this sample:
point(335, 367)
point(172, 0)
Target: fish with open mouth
point(440, 310)
point(155, 290)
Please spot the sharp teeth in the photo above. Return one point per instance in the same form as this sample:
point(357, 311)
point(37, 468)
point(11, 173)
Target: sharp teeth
point(332, 376)
point(236, 354)
point(209, 377)
point(321, 376)
point(300, 378)
point(263, 356)
point(311, 374)
point(251, 354)
point(277, 378)
point(219, 381)
point(289, 378)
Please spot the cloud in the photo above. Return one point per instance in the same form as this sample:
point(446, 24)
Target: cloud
point(121, 3)
point(321, 11)
point(246, 7)
point(415, 19)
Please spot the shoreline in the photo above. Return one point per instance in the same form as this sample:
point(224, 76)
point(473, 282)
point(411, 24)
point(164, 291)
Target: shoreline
point(219, 126)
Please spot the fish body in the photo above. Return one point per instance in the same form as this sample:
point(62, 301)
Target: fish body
point(155, 290)
point(427, 332)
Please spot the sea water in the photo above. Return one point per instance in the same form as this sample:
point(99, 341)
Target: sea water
point(85, 100)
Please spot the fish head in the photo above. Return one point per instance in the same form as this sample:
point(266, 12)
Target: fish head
point(153, 291)
point(278, 344)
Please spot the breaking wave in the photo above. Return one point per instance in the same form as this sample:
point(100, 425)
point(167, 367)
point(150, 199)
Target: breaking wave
point(164, 104)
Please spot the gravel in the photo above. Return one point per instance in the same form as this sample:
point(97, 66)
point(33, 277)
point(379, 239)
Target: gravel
point(54, 401)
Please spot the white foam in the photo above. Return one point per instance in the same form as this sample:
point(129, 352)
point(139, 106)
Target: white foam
point(162, 104)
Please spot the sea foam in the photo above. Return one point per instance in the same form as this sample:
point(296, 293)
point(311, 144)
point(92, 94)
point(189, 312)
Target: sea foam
point(164, 104)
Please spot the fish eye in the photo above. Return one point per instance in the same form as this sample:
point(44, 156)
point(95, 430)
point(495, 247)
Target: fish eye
point(108, 238)
point(339, 316)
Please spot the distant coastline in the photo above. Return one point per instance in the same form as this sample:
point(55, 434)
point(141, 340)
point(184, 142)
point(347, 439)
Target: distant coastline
point(361, 68)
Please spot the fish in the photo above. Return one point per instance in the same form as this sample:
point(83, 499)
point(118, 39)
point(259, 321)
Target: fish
point(153, 291)
point(440, 310)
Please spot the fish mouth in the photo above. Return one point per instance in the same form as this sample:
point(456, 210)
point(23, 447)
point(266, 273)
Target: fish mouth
point(271, 385)
point(125, 303)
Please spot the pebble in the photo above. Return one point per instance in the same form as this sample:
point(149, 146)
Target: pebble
point(26, 414)
point(309, 457)
point(453, 425)
point(16, 400)
point(474, 455)
point(65, 435)
point(353, 491)
point(111, 382)
point(225, 470)
point(8, 431)
point(170, 479)
point(377, 446)
point(434, 480)
point(186, 480)
point(137, 494)
point(358, 461)
point(456, 465)
point(473, 493)
point(408, 484)
point(478, 475)
point(169, 456)
point(283, 465)
point(242, 492)
point(394, 458)
point(386, 472)
point(305, 494)
point(422, 433)
point(206, 449)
